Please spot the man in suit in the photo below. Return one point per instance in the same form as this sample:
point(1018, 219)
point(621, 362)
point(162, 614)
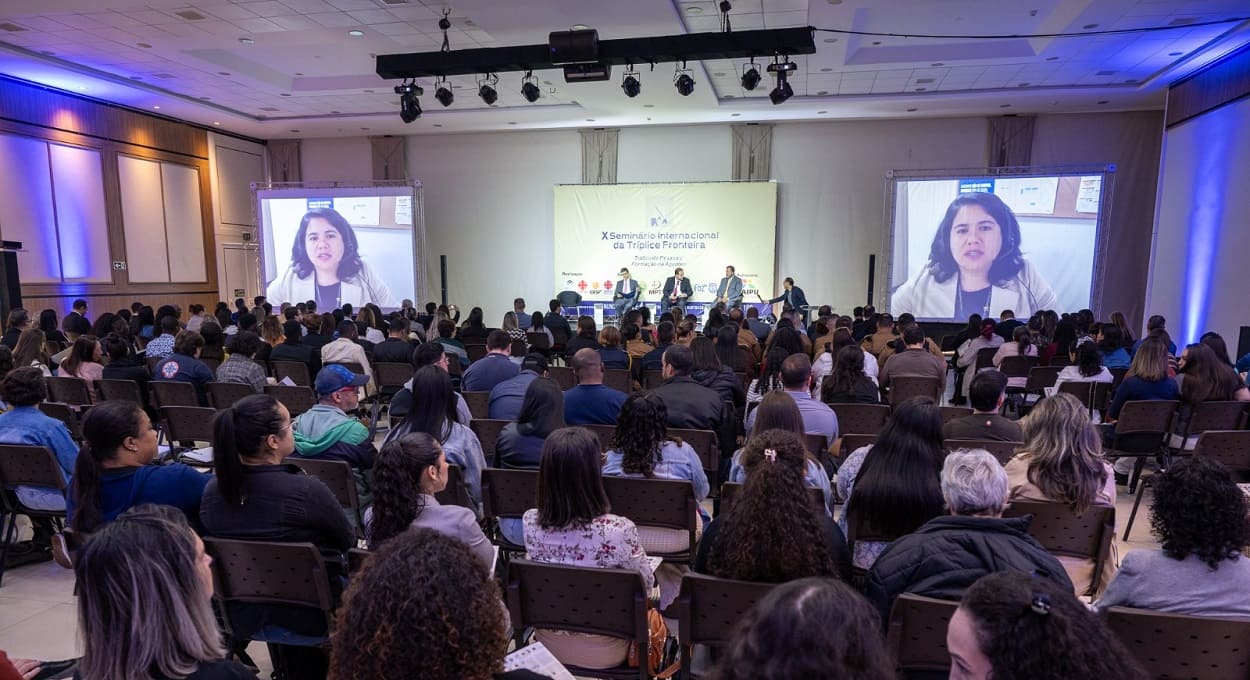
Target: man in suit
point(626, 294)
point(730, 289)
point(792, 299)
point(76, 322)
point(677, 290)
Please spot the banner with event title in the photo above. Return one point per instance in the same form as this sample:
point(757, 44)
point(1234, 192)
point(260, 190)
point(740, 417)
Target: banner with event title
point(652, 229)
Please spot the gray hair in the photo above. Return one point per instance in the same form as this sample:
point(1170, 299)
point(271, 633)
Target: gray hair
point(142, 609)
point(974, 483)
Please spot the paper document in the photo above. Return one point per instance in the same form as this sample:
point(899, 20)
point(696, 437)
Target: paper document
point(537, 658)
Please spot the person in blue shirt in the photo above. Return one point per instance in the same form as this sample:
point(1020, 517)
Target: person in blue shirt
point(591, 402)
point(114, 471)
point(506, 397)
point(641, 447)
point(25, 424)
point(184, 365)
point(1111, 344)
point(492, 369)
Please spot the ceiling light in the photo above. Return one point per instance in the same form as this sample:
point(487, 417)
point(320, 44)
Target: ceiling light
point(355, 33)
point(486, 89)
point(247, 41)
point(1089, 26)
point(631, 85)
point(750, 76)
point(782, 91)
point(529, 88)
point(158, 106)
point(694, 9)
point(683, 82)
point(444, 94)
point(1175, 54)
point(409, 106)
point(216, 122)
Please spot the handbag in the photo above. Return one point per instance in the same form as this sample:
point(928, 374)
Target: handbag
point(658, 650)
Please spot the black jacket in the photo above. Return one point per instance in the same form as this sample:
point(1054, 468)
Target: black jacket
point(286, 351)
point(947, 554)
point(280, 503)
point(725, 382)
point(695, 407)
point(393, 350)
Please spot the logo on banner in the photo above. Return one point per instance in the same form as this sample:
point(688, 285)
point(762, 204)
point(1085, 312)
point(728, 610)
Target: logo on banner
point(607, 285)
point(659, 211)
point(581, 285)
point(594, 285)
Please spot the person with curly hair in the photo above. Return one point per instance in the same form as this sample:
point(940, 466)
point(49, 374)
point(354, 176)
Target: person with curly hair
point(772, 532)
point(1010, 625)
point(1200, 518)
point(421, 607)
point(809, 628)
point(1061, 462)
point(769, 379)
point(408, 472)
point(779, 412)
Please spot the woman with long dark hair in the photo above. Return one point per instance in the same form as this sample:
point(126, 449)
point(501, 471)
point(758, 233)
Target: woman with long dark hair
point(586, 337)
point(474, 326)
point(214, 348)
point(710, 372)
point(83, 363)
point(114, 472)
point(773, 533)
point(1021, 345)
point(849, 383)
point(573, 525)
point(145, 591)
point(778, 411)
point(433, 412)
point(893, 486)
point(104, 325)
point(48, 324)
point(31, 350)
point(408, 473)
point(520, 444)
point(769, 379)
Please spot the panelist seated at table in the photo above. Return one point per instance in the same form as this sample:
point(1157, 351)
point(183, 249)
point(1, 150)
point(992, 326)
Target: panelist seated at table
point(730, 289)
point(677, 290)
point(626, 296)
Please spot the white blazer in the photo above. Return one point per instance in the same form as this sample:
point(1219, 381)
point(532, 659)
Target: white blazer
point(924, 297)
point(356, 291)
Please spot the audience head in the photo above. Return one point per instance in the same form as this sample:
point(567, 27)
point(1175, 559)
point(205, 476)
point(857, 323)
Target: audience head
point(570, 481)
point(326, 323)
point(445, 625)
point(211, 331)
point(703, 353)
point(347, 329)
point(796, 372)
point(588, 367)
point(116, 432)
point(336, 385)
point(1010, 624)
point(80, 306)
point(188, 343)
point(433, 403)
point(24, 386)
point(244, 344)
point(19, 318)
point(885, 323)
point(86, 349)
point(641, 430)
point(147, 575)
point(254, 430)
point(535, 362)
point(475, 318)
point(104, 325)
point(542, 408)
point(47, 321)
point(499, 342)
point(586, 327)
point(1207, 378)
point(248, 321)
point(678, 361)
point(974, 483)
point(777, 411)
point(509, 322)
point(30, 347)
point(848, 369)
point(809, 628)
point(536, 322)
point(987, 391)
point(787, 338)
point(1088, 359)
point(115, 347)
point(1065, 451)
point(897, 488)
point(1156, 322)
point(664, 332)
point(408, 469)
point(1216, 342)
point(1150, 361)
point(292, 331)
point(429, 354)
point(610, 337)
point(630, 331)
point(1199, 510)
point(271, 330)
point(727, 344)
point(446, 328)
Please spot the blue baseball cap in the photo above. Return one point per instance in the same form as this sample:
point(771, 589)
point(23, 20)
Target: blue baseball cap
point(335, 377)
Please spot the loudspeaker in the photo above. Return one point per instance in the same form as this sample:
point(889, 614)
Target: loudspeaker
point(442, 274)
point(872, 275)
point(10, 284)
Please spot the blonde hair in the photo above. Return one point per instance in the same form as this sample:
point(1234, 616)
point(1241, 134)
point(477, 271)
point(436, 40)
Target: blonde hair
point(610, 336)
point(509, 322)
point(1150, 361)
point(1064, 452)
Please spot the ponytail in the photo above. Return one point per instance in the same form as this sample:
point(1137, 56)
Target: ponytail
point(105, 427)
point(238, 433)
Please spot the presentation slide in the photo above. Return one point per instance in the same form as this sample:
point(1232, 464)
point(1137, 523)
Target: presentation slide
point(337, 246)
point(653, 229)
point(981, 245)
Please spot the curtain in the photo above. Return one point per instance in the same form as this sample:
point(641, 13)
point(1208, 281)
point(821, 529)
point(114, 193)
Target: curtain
point(752, 152)
point(1011, 141)
point(390, 157)
point(284, 161)
point(599, 156)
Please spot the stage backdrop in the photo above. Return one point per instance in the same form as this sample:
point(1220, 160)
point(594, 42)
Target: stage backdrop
point(654, 228)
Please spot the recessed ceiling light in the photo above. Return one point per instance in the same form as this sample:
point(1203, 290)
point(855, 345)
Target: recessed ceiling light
point(831, 40)
point(826, 69)
point(1104, 101)
point(876, 42)
point(513, 122)
point(719, 74)
point(590, 120)
point(157, 106)
point(1175, 54)
point(247, 41)
point(223, 73)
point(648, 106)
point(216, 122)
point(580, 27)
point(145, 46)
point(1004, 106)
point(822, 112)
point(364, 128)
point(735, 115)
point(285, 94)
point(1022, 85)
point(294, 130)
point(822, 93)
point(355, 33)
point(438, 125)
point(937, 63)
point(1052, 58)
point(921, 89)
point(299, 74)
point(912, 110)
point(1089, 26)
point(368, 91)
point(694, 9)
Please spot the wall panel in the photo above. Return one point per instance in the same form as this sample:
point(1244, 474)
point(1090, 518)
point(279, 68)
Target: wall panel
point(143, 220)
point(184, 228)
point(82, 223)
point(29, 213)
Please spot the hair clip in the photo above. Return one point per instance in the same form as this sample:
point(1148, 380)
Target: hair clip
point(771, 455)
point(1040, 604)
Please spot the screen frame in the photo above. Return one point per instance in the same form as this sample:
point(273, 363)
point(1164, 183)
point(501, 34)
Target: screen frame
point(262, 191)
point(1105, 171)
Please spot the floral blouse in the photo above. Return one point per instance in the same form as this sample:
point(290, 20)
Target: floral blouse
point(607, 541)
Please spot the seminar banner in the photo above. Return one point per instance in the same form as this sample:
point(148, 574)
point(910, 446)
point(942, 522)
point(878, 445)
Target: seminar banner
point(652, 229)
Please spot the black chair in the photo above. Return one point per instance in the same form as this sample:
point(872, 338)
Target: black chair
point(709, 609)
point(120, 390)
point(66, 414)
point(905, 387)
point(456, 493)
point(487, 432)
point(22, 465)
point(479, 404)
point(1061, 531)
point(657, 503)
point(1183, 646)
point(563, 375)
point(860, 418)
point(618, 379)
point(186, 425)
point(706, 444)
point(916, 634)
point(224, 394)
point(338, 477)
point(68, 390)
point(297, 399)
point(173, 393)
point(1141, 432)
point(507, 494)
point(297, 371)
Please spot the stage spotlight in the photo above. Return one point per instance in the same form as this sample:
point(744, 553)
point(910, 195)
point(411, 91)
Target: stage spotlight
point(529, 89)
point(782, 92)
point(486, 89)
point(443, 94)
point(683, 82)
point(409, 106)
point(631, 85)
point(750, 76)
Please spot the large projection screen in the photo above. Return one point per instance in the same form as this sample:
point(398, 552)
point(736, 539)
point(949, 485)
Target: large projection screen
point(652, 229)
point(968, 242)
point(384, 234)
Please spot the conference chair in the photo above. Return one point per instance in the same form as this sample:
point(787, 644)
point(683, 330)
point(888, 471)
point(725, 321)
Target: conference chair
point(22, 465)
point(916, 634)
point(507, 494)
point(120, 390)
point(949, 413)
point(1141, 432)
point(604, 433)
point(1230, 448)
point(563, 375)
point(297, 399)
point(1183, 646)
point(67, 415)
point(860, 418)
point(68, 390)
point(903, 388)
point(1062, 532)
point(338, 477)
point(172, 393)
point(186, 425)
point(985, 358)
point(456, 493)
point(478, 403)
point(487, 432)
point(658, 504)
point(706, 444)
point(223, 395)
point(618, 379)
point(297, 371)
point(709, 609)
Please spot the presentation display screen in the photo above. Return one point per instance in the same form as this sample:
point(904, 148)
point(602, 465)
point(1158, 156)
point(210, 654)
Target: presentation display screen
point(653, 229)
point(337, 246)
point(981, 245)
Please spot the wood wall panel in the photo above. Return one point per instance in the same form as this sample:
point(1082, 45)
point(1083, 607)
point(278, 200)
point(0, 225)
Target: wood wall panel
point(1225, 81)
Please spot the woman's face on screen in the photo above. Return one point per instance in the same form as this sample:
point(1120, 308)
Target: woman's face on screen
point(324, 245)
point(976, 239)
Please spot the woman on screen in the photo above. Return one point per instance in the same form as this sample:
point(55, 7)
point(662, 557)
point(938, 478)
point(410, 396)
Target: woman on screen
point(975, 267)
point(326, 266)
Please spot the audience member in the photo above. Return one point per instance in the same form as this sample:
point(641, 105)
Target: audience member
point(241, 366)
point(773, 532)
point(492, 369)
point(986, 394)
point(1204, 377)
point(1111, 345)
point(892, 487)
point(948, 554)
point(76, 322)
point(538, 326)
point(327, 432)
point(114, 470)
point(587, 336)
point(22, 389)
point(1021, 345)
point(711, 372)
point(396, 348)
point(320, 333)
point(590, 402)
point(511, 325)
point(145, 590)
point(507, 396)
point(163, 345)
point(610, 351)
point(1087, 366)
point(884, 336)
point(123, 364)
point(778, 411)
point(292, 349)
point(184, 365)
point(1011, 625)
point(573, 525)
point(635, 346)
point(809, 628)
point(47, 324)
point(197, 317)
point(967, 352)
point(31, 350)
point(345, 350)
point(848, 383)
point(1155, 323)
point(1200, 518)
point(520, 443)
point(83, 362)
point(796, 381)
point(473, 328)
point(769, 379)
point(1061, 462)
point(653, 360)
point(19, 321)
point(426, 354)
point(690, 405)
point(914, 361)
point(1147, 379)
point(555, 321)
point(446, 337)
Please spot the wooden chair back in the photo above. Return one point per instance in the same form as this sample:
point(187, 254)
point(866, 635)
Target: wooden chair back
point(456, 493)
point(478, 403)
point(906, 387)
point(985, 358)
point(658, 503)
point(1063, 532)
point(338, 478)
point(120, 390)
point(173, 393)
point(861, 418)
point(507, 494)
point(618, 379)
point(68, 390)
point(1041, 377)
point(709, 610)
point(916, 634)
point(297, 399)
point(1183, 646)
point(297, 371)
point(66, 414)
point(224, 394)
point(704, 443)
point(1231, 448)
point(266, 572)
point(563, 375)
point(487, 432)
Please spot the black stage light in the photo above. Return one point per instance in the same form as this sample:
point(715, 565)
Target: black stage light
point(684, 84)
point(486, 89)
point(631, 85)
point(782, 92)
point(530, 91)
point(750, 77)
point(443, 94)
point(409, 106)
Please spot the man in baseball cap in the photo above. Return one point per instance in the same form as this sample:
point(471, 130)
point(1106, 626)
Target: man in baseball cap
point(326, 432)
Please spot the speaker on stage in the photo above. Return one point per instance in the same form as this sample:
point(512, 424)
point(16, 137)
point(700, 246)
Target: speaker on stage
point(10, 283)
